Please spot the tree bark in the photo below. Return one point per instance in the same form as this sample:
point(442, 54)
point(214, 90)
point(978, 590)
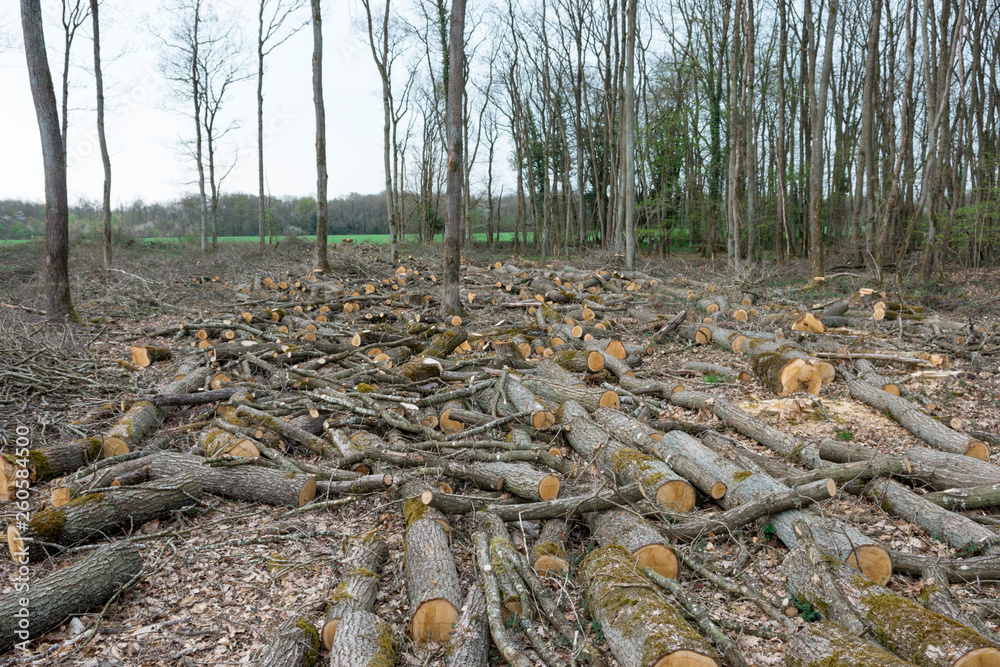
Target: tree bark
point(102, 140)
point(295, 644)
point(321, 261)
point(827, 644)
point(431, 581)
point(450, 303)
point(59, 306)
point(363, 640)
point(469, 644)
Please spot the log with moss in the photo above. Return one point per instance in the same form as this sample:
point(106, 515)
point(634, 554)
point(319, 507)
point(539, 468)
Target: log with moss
point(363, 640)
point(920, 424)
point(248, 482)
point(469, 644)
point(842, 595)
point(45, 463)
point(827, 644)
point(548, 555)
point(624, 464)
point(281, 427)
point(646, 545)
point(514, 399)
point(785, 374)
point(640, 626)
point(295, 644)
point(746, 482)
point(86, 583)
point(579, 361)
point(647, 439)
point(216, 442)
point(93, 516)
point(359, 585)
point(426, 365)
point(431, 582)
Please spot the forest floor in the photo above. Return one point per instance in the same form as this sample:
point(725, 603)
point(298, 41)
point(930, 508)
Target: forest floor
point(220, 582)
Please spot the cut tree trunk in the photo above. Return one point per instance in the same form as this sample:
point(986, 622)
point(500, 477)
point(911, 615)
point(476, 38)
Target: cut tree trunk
point(295, 644)
point(363, 640)
point(925, 427)
point(579, 361)
point(903, 626)
point(624, 464)
point(548, 556)
point(784, 374)
point(557, 394)
point(47, 463)
point(357, 590)
point(216, 442)
point(87, 583)
point(827, 644)
point(522, 480)
point(147, 355)
point(469, 644)
point(248, 483)
point(641, 628)
point(635, 534)
point(131, 429)
point(866, 371)
point(431, 581)
point(94, 515)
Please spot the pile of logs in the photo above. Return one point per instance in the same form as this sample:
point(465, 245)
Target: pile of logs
point(544, 418)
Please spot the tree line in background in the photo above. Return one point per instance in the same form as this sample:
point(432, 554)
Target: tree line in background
point(746, 128)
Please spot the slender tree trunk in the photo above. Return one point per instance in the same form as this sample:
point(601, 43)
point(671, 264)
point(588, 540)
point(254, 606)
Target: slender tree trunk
point(321, 260)
point(261, 223)
point(450, 303)
point(629, 140)
point(105, 157)
point(58, 303)
point(196, 88)
point(866, 154)
point(816, 167)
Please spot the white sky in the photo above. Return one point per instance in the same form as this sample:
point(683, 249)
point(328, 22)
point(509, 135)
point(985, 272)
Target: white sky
point(144, 131)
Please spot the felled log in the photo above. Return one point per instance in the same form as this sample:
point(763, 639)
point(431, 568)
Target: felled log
point(87, 583)
point(132, 470)
point(937, 469)
point(903, 626)
point(414, 494)
point(281, 427)
point(45, 463)
point(523, 480)
point(469, 644)
point(925, 427)
point(641, 628)
point(579, 361)
point(966, 499)
point(363, 640)
point(936, 596)
point(548, 556)
point(357, 590)
point(827, 644)
point(523, 400)
point(295, 644)
point(866, 371)
point(95, 515)
point(624, 464)
point(216, 442)
point(431, 582)
point(647, 547)
point(717, 370)
point(647, 439)
point(557, 393)
point(365, 484)
point(784, 374)
point(143, 416)
point(745, 482)
point(491, 592)
point(425, 365)
point(248, 483)
point(146, 355)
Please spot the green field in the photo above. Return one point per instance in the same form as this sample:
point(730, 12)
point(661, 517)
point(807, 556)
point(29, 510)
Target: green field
point(504, 237)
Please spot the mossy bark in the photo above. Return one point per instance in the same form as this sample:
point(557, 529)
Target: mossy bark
point(87, 583)
point(827, 644)
point(363, 640)
point(640, 626)
point(95, 515)
point(548, 556)
point(295, 644)
point(358, 587)
point(469, 644)
point(636, 535)
point(47, 463)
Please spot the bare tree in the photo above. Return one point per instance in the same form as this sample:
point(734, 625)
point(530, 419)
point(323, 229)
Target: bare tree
point(817, 108)
point(272, 32)
point(322, 262)
point(105, 156)
point(74, 14)
point(629, 113)
point(450, 302)
point(58, 303)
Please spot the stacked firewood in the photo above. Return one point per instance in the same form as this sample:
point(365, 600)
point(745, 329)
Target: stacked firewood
point(542, 417)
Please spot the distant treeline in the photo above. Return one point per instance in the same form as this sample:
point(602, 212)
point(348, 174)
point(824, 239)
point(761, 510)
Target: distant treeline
point(353, 214)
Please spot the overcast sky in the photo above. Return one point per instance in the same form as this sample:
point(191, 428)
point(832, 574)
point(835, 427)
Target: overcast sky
point(144, 128)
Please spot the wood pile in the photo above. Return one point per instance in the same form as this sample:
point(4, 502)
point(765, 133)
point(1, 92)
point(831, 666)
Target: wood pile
point(506, 437)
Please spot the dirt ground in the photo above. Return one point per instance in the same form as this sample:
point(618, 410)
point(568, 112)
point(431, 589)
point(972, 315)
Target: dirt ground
point(221, 581)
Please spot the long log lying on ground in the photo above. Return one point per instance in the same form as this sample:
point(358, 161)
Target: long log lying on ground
point(249, 483)
point(903, 626)
point(925, 427)
point(827, 644)
point(88, 582)
point(363, 640)
point(45, 463)
point(132, 468)
point(295, 644)
point(624, 464)
point(641, 628)
point(357, 590)
point(556, 393)
point(431, 582)
point(638, 537)
point(95, 515)
point(746, 482)
point(867, 372)
point(966, 499)
point(523, 480)
point(469, 644)
point(143, 416)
